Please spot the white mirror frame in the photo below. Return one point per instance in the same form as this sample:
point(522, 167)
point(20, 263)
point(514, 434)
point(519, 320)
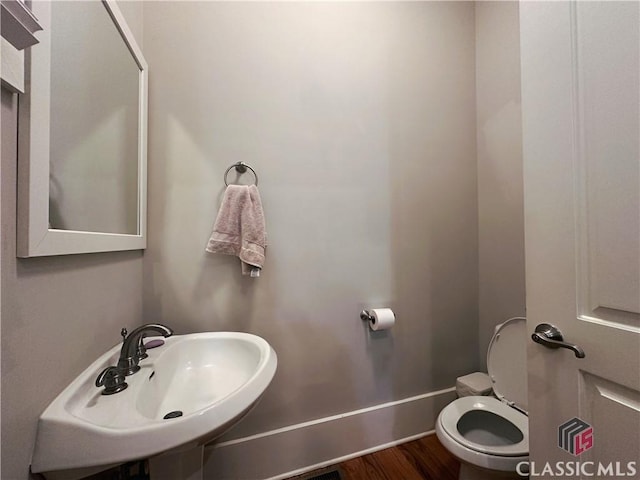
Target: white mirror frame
point(35, 238)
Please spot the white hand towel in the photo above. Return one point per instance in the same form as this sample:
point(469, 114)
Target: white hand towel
point(239, 228)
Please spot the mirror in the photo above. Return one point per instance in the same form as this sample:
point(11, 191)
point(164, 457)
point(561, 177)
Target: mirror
point(82, 161)
point(93, 181)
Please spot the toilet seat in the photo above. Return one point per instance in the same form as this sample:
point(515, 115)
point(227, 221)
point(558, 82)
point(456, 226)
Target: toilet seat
point(507, 362)
point(452, 413)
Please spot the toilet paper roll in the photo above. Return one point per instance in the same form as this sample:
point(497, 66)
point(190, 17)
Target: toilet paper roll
point(381, 319)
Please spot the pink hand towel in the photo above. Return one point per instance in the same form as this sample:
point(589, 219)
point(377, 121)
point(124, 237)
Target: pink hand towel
point(240, 228)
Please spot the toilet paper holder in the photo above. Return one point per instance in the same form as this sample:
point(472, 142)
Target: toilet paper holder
point(365, 315)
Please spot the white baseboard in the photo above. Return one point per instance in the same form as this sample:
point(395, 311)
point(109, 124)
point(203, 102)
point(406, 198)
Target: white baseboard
point(300, 448)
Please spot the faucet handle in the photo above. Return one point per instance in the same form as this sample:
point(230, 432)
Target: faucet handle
point(113, 380)
point(123, 333)
point(141, 351)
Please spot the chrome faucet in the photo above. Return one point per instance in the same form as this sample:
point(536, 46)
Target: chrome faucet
point(133, 349)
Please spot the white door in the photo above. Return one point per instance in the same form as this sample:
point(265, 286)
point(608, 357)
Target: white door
point(580, 103)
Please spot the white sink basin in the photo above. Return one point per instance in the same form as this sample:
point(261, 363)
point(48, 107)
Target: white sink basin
point(212, 378)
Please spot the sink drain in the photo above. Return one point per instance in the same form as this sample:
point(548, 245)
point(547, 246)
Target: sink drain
point(174, 414)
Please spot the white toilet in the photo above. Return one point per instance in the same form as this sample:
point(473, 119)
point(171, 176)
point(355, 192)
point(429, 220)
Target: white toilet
point(489, 435)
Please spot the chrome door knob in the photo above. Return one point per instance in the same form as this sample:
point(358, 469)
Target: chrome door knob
point(550, 337)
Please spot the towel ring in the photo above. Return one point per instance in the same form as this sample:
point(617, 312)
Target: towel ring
point(240, 167)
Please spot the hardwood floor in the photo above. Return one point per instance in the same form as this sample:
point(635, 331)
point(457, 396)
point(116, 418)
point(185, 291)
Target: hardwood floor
point(422, 459)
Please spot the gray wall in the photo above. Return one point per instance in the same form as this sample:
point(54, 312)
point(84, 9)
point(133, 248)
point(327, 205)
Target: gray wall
point(500, 194)
point(58, 313)
point(360, 120)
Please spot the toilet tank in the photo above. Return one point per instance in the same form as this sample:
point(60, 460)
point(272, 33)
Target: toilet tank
point(476, 383)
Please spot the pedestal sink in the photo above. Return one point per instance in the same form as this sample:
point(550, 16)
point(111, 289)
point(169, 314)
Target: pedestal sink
point(187, 392)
